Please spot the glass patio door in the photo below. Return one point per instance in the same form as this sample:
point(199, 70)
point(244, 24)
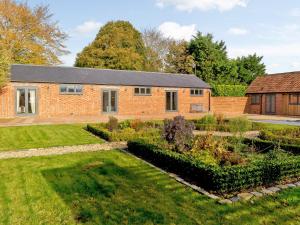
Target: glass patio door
point(26, 103)
point(270, 104)
point(109, 101)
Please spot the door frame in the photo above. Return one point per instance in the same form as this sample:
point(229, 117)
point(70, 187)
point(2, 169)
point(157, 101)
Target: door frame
point(109, 97)
point(27, 88)
point(266, 109)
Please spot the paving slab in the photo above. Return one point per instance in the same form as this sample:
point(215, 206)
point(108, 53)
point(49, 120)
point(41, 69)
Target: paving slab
point(257, 194)
point(225, 201)
point(245, 196)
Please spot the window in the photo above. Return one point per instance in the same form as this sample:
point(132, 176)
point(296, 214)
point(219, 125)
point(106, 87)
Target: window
point(142, 91)
point(255, 99)
point(109, 101)
point(294, 99)
point(71, 89)
point(196, 92)
point(171, 101)
point(26, 101)
point(196, 108)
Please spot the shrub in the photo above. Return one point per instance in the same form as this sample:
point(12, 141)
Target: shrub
point(208, 147)
point(124, 124)
point(208, 122)
point(112, 123)
point(229, 90)
point(136, 124)
point(178, 132)
point(214, 178)
point(239, 125)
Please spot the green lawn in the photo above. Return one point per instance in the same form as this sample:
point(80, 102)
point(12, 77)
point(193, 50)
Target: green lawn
point(115, 188)
point(24, 137)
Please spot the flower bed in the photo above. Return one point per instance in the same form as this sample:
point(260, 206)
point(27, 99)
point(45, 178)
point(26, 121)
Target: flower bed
point(215, 178)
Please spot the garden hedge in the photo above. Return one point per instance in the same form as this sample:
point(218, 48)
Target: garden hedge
point(284, 139)
point(100, 132)
point(213, 178)
point(229, 90)
point(266, 145)
point(124, 134)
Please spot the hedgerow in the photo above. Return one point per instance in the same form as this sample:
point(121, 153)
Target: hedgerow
point(229, 90)
point(215, 178)
point(124, 134)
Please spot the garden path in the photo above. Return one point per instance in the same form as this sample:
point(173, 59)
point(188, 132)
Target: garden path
point(61, 150)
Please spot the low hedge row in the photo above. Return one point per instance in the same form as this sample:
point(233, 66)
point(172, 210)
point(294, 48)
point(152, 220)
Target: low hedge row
point(214, 178)
point(266, 145)
point(122, 134)
point(100, 132)
point(270, 136)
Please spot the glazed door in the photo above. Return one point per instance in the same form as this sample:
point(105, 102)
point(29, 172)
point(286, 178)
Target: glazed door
point(26, 103)
point(109, 101)
point(270, 104)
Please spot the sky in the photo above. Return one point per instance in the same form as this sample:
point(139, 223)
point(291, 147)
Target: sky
point(270, 28)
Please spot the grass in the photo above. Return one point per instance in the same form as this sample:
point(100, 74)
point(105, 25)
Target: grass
point(12, 138)
point(115, 188)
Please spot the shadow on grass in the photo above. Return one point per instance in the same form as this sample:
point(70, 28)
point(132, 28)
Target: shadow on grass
point(101, 192)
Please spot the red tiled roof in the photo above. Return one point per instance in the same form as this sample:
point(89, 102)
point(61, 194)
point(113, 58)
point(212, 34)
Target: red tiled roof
point(281, 82)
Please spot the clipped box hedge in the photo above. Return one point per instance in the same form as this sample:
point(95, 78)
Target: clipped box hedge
point(213, 178)
point(284, 139)
point(122, 134)
point(266, 145)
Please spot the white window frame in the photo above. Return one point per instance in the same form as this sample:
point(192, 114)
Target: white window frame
point(142, 89)
point(76, 88)
point(199, 91)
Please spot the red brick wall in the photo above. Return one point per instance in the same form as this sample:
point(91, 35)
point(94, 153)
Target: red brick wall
point(229, 106)
point(52, 104)
point(7, 102)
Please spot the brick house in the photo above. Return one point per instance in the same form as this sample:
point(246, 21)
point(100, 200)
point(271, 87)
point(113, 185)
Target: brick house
point(68, 92)
point(277, 94)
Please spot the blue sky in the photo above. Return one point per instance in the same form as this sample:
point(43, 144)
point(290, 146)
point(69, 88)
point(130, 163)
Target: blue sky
point(269, 28)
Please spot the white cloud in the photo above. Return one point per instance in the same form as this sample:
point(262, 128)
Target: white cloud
point(238, 31)
point(267, 50)
point(295, 64)
point(295, 12)
point(88, 27)
point(204, 5)
point(177, 31)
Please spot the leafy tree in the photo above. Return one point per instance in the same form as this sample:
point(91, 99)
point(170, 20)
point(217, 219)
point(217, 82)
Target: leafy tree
point(5, 60)
point(29, 35)
point(212, 63)
point(157, 48)
point(249, 67)
point(118, 45)
point(178, 59)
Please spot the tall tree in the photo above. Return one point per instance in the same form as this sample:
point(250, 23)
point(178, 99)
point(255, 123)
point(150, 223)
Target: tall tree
point(5, 60)
point(210, 56)
point(178, 59)
point(249, 67)
point(118, 45)
point(29, 34)
point(157, 47)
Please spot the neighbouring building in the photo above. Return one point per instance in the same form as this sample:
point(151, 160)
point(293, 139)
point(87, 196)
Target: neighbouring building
point(277, 94)
point(68, 92)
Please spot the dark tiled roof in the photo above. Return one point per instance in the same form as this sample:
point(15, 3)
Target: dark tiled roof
point(73, 75)
point(281, 82)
